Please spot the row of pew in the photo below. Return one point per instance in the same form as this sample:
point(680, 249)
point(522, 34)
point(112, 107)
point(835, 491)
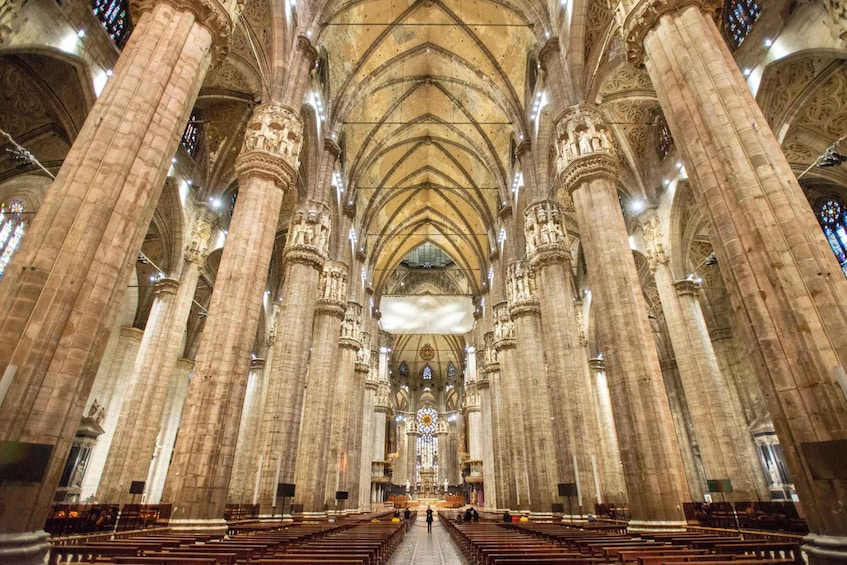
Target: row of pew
point(325, 543)
point(491, 543)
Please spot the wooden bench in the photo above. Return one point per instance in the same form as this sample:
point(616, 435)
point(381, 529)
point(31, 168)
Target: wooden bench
point(83, 553)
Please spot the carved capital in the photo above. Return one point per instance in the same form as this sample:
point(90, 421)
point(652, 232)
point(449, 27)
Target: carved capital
point(597, 364)
point(549, 49)
point(210, 14)
point(257, 364)
point(304, 45)
point(308, 235)
point(688, 287)
point(166, 285)
point(351, 326)
point(653, 236)
point(644, 16)
point(201, 234)
point(521, 291)
point(504, 328)
point(584, 147)
point(271, 145)
point(545, 240)
point(9, 22)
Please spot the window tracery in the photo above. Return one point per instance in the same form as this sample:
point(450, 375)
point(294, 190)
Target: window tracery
point(426, 374)
point(191, 135)
point(664, 140)
point(12, 228)
point(832, 215)
point(451, 370)
point(115, 19)
point(427, 442)
point(403, 369)
point(739, 17)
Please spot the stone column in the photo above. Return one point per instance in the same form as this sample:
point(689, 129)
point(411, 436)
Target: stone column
point(488, 431)
point(531, 374)
point(202, 462)
point(352, 462)
point(109, 392)
point(570, 398)
point(241, 483)
point(314, 449)
point(368, 407)
point(138, 426)
point(783, 281)
point(513, 472)
point(65, 285)
point(726, 450)
point(171, 418)
point(498, 485)
point(652, 465)
point(303, 260)
point(472, 406)
point(613, 486)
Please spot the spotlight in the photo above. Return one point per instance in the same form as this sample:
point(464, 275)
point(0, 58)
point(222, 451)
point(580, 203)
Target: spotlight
point(831, 158)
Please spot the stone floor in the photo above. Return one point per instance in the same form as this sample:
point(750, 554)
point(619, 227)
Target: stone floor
point(421, 548)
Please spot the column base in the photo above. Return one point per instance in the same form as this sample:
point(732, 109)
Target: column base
point(638, 526)
point(214, 526)
point(27, 548)
point(825, 550)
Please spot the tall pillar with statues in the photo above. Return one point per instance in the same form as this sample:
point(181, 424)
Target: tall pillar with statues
point(652, 465)
point(313, 449)
point(571, 400)
point(140, 421)
point(537, 433)
point(198, 479)
point(66, 282)
point(725, 447)
point(790, 293)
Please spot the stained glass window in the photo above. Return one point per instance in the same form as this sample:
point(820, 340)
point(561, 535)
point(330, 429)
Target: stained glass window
point(739, 17)
point(12, 228)
point(427, 443)
point(191, 135)
point(403, 369)
point(664, 141)
point(114, 16)
point(426, 374)
point(451, 370)
point(833, 217)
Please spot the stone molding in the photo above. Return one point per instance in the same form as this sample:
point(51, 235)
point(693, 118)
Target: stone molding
point(586, 169)
point(645, 16)
point(210, 14)
point(597, 364)
point(271, 146)
point(348, 343)
point(362, 369)
point(166, 285)
point(550, 48)
point(257, 364)
point(330, 307)
point(687, 287)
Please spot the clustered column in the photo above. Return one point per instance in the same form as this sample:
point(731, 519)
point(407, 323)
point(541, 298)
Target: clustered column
point(198, 480)
point(652, 465)
point(727, 451)
point(535, 428)
point(571, 401)
point(789, 294)
point(141, 420)
point(314, 450)
point(67, 281)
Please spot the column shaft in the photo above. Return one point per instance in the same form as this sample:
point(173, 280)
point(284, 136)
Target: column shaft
point(67, 281)
point(788, 291)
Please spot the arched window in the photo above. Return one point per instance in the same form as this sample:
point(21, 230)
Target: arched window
point(739, 17)
point(664, 141)
point(403, 369)
point(427, 445)
point(12, 228)
point(451, 370)
point(114, 16)
point(832, 215)
point(191, 135)
point(426, 374)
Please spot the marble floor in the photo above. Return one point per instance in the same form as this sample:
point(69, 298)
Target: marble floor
point(421, 548)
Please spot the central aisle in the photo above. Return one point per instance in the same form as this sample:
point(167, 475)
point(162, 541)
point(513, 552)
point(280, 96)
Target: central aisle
point(421, 548)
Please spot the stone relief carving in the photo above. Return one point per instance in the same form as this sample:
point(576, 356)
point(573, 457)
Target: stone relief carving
point(351, 325)
point(9, 22)
point(333, 282)
point(581, 134)
point(654, 246)
point(504, 328)
point(276, 130)
point(520, 283)
point(310, 228)
point(543, 228)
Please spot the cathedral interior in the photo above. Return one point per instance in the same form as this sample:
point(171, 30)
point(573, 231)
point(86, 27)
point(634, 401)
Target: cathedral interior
point(311, 255)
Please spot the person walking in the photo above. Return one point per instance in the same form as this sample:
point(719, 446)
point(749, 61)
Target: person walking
point(407, 514)
point(428, 520)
